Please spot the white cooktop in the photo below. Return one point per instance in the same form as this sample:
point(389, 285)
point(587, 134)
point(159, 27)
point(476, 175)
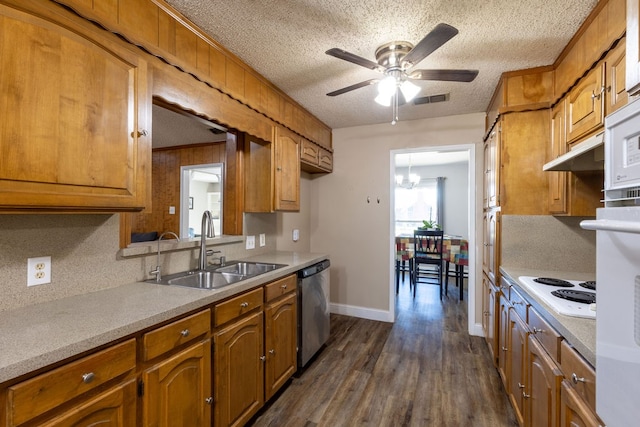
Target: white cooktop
point(560, 305)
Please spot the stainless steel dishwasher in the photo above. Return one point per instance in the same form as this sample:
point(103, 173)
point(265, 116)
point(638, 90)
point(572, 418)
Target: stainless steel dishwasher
point(313, 312)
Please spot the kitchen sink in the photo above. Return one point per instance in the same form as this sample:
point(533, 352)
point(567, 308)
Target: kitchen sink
point(248, 268)
point(218, 277)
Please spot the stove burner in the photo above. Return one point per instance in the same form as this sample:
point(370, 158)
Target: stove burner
point(553, 282)
point(577, 296)
point(591, 284)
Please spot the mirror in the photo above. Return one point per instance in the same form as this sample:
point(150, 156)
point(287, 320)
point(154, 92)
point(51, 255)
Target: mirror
point(200, 190)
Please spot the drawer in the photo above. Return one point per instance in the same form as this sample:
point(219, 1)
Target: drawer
point(280, 287)
point(237, 306)
point(325, 160)
point(28, 399)
point(519, 304)
point(175, 334)
point(545, 334)
point(579, 374)
point(309, 152)
point(505, 288)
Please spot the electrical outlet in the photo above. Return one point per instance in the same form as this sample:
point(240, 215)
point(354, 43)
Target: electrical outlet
point(296, 235)
point(251, 242)
point(38, 271)
point(263, 240)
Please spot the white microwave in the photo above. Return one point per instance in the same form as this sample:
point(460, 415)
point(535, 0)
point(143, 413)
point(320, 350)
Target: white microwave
point(622, 155)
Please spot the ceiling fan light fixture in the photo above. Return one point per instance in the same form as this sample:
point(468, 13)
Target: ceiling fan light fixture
point(384, 100)
point(387, 86)
point(409, 90)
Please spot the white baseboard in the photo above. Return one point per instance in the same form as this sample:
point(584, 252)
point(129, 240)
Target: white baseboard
point(362, 312)
point(476, 329)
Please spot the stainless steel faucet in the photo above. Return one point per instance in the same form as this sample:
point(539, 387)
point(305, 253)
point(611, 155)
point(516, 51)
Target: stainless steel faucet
point(205, 231)
point(158, 269)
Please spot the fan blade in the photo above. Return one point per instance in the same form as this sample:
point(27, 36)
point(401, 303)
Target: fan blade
point(353, 87)
point(444, 75)
point(355, 59)
point(441, 34)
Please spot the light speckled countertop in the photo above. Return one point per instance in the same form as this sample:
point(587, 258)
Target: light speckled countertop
point(36, 336)
point(579, 332)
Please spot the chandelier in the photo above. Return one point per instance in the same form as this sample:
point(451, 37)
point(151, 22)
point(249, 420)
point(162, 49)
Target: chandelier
point(413, 179)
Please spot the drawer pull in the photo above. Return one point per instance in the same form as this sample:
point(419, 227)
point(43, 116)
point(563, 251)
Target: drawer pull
point(576, 379)
point(209, 400)
point(525, 395)
point(537, 330)
point(244, 304)
point(505, 349)
point(88, 378)
point(486, 313)
point(520, 385)
point(272, 351)
point(518, 303)
point(184, 333)
point(284, 287)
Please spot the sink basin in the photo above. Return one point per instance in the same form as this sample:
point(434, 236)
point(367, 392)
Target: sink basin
point(248, 268)
point(218, 277)
point(205, 279)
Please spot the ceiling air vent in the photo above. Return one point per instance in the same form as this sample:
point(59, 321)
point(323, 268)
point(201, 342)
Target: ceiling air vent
point(431, 99)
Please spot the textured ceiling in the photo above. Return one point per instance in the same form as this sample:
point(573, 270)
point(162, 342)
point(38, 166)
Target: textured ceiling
point(285, 41)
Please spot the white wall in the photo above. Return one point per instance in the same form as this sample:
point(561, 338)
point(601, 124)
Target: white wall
point(350, 208)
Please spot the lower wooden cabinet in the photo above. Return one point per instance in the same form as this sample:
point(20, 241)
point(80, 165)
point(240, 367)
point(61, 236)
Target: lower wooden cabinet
point(490, 296)
point(115, 408)
point(503, 339)
point(177, 390)
point(239, 370)
point(517, 367)
point(542, 393)
point(574, 412)
point(281, 323)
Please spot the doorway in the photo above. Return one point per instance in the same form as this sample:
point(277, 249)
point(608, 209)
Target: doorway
point(414, 199)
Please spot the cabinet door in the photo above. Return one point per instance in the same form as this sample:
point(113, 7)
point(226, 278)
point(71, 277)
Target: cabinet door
point(115, 408)
point(280, 343)
point(633, 47)
point(543, 391)
point(74, 103)
point(615, 95)
point(258, 175)
point(503, 340)
point(489, 305)
point(287, 171)
point(558, 146)
point(177, 390)
point(585, 105)
point(492, 168)
point(573, 410)
point(239, 371)
point(517, 364)
point(491, 240)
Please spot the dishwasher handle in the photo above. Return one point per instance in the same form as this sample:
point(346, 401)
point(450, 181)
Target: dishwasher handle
point(314, 269)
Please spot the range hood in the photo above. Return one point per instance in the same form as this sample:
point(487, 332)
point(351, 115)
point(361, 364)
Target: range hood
point(587, 155)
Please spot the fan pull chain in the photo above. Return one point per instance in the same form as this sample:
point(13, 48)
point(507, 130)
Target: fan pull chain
point(394, 107)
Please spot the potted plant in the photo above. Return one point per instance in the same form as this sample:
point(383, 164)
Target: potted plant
point(430, 225)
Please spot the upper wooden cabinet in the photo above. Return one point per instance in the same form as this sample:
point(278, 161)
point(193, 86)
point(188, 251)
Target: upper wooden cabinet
point(633, 47)
point(585, 105)
point(315, 159)
point(616, 95)
point(75, 106)
point(272, 172)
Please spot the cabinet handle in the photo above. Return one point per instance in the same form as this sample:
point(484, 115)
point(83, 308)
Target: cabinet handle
point(486, 313)
point(139, 133)
point(184, 332)
point(517, 303)
point(576, 379)
point(537, 330)
point(278, 168)
point(209, 400)
point(505, 349)
point(244, 304)
point(263, 358)
point(525, 395)
point(284, 287)
point(88, 378)
point(272, 351)
point(520, 385)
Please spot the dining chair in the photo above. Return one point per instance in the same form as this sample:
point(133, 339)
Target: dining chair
point(404, 256)
point(428, 252)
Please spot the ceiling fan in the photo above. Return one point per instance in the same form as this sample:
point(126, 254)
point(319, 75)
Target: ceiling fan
point(395, 60)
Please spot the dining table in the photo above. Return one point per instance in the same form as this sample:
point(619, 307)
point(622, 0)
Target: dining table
point(455, 251)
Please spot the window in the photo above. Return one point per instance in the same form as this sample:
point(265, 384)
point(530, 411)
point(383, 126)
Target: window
point(413, 205)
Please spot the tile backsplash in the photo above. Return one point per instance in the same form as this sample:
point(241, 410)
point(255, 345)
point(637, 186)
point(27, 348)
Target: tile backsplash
point(548, 243)
point(85, 255)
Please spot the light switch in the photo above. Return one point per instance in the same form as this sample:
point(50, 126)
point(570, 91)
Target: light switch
point(172, 210)
point(296, 235)
point(263, 239)
point(251, 242)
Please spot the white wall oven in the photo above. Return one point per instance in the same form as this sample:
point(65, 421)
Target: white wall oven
point(618, 272)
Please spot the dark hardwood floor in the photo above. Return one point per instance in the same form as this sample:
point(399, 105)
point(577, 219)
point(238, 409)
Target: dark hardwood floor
point(423, 370)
